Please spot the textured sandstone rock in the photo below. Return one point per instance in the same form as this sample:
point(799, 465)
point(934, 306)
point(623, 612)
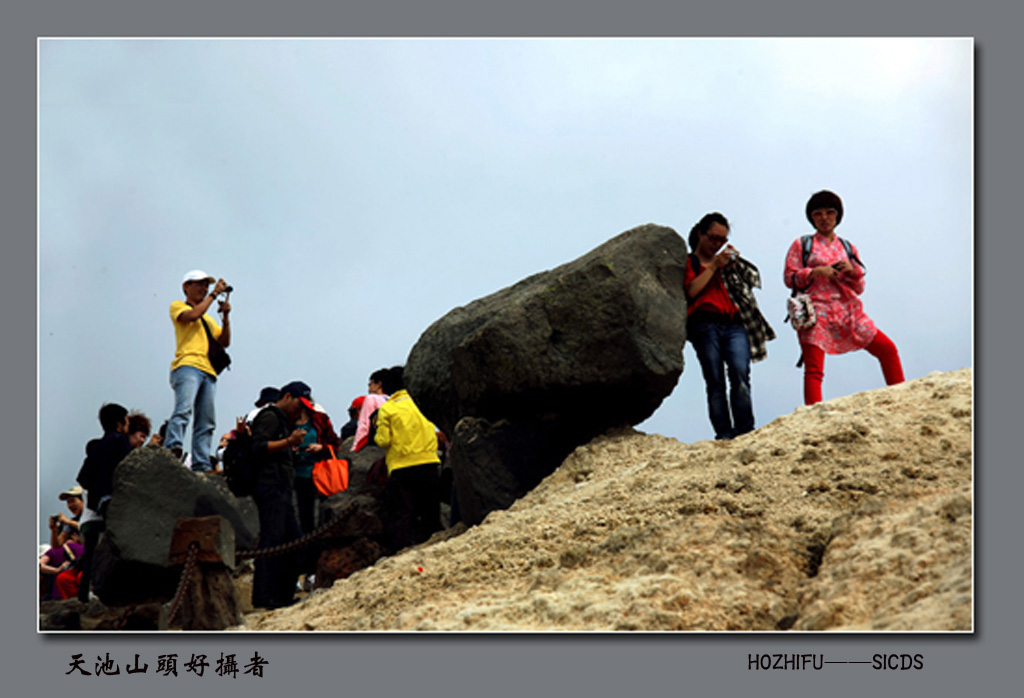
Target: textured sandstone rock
point(641, 532)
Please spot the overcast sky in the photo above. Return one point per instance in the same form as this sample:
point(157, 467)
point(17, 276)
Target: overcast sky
point(354, 191)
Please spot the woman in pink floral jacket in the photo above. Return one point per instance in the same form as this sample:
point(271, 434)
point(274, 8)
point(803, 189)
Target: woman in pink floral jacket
point(834, 279)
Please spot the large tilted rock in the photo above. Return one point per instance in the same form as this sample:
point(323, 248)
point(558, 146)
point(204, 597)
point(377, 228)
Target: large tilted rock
point(152, 490)
point(520, 378)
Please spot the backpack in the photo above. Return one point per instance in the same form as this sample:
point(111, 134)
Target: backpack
point(239, 469)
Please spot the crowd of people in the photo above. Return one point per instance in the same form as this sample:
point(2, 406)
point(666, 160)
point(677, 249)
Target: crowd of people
point(65, 569)
point(288, 432)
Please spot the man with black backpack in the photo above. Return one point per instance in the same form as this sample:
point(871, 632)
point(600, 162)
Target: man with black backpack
point(193, 373)
point(271, 441)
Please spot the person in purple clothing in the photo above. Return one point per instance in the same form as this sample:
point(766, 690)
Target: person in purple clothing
point(56, 560)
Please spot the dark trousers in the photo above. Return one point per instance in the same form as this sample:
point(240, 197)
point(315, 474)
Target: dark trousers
point(274, 580)
point(413, 506)
point(305, 499)
point(90, 539)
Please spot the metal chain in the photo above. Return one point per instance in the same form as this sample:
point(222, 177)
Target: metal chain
point(193, 555)
point(342, 516)
point(186, 577)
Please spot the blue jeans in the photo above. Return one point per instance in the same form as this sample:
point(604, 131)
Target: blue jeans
point(193, 389)
point(724, 349)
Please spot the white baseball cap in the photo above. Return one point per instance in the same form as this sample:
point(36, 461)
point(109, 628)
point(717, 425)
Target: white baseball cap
point(198, 275)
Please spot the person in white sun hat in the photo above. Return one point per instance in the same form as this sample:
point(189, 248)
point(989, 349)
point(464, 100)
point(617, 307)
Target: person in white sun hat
point(193, 377)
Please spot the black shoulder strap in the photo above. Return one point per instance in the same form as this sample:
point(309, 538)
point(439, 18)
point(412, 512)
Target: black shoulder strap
point(695, 265)
point(209, 335)
point(279, 417)
point(806, 242)
point(849, 253)
point(282, 421)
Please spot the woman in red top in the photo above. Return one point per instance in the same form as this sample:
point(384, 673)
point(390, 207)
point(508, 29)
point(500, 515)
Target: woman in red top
point(716, 330)
point(834, 282)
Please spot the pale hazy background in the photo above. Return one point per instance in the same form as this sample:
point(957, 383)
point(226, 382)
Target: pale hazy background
point(354, 191)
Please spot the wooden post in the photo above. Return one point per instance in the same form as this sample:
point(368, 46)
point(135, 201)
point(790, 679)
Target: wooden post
point(210, 600)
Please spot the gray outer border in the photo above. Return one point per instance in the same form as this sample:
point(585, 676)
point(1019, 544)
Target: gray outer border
point(499, 665)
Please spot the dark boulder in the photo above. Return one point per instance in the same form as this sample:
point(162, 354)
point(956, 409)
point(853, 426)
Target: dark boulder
point(341, 562)
point(152, 490)
point(495, 463)
point(519, 378)
point(61, 615)
point(368, 517)
point(360, 536)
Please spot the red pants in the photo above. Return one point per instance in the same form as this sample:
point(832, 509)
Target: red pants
point(881, 348)
point(67, 584)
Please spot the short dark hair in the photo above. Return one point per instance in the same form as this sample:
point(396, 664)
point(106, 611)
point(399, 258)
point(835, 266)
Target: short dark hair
point(825, 199)
point(379, 375)
point(138, 422)
point(703, 226)
point(112, 416)
point(394, 380)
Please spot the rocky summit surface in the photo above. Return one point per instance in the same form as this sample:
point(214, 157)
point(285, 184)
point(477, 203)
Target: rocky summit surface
point(853, 514)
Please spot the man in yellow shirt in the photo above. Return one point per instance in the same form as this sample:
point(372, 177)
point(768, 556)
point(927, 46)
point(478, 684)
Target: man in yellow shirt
point(192, 376)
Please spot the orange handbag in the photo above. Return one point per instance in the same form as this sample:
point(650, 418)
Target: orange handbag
point(330, 475)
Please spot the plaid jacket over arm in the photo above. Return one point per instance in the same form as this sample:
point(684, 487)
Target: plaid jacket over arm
point(741, 278)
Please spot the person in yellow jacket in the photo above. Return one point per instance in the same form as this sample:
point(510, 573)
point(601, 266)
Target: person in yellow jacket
point(410, 444)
